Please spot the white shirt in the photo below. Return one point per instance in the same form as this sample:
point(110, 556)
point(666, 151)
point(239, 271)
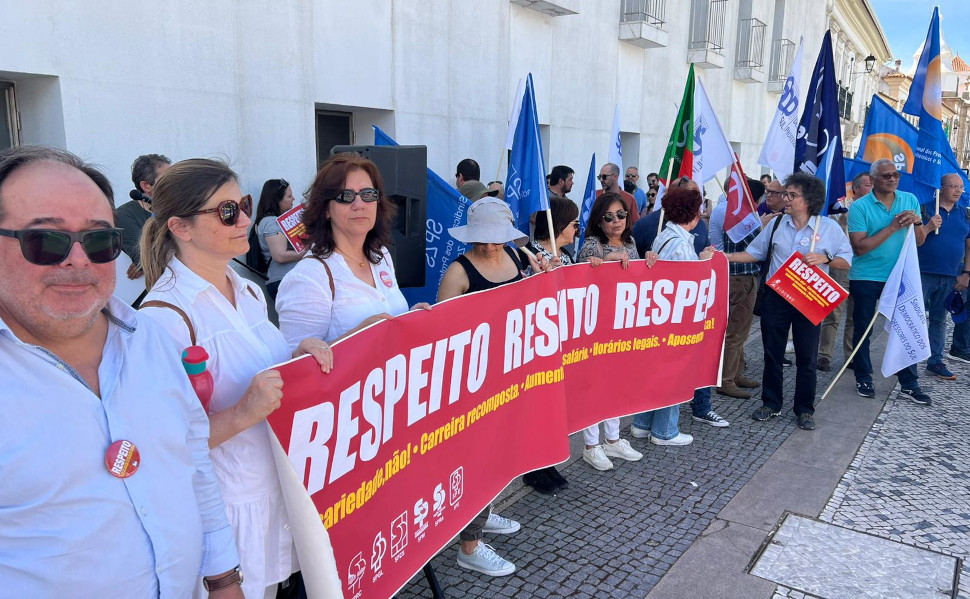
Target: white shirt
point(68, 527)
point(307, 309)
point(241, 342)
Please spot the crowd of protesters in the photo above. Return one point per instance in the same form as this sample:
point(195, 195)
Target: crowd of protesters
point(208, 508)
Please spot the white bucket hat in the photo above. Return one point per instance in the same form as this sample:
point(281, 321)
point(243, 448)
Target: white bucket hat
point(489, 221)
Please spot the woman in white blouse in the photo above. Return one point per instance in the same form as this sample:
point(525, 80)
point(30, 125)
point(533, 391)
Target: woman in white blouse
point(200, 223)
point(346, 281)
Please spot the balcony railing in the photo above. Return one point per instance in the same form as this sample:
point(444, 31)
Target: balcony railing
point(751, 44)
point(707, 25)
point(782, 55)
point(650, 12)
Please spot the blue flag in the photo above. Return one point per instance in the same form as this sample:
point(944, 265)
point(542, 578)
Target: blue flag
point(588, 198)
point(446, 208)
point(818, 145)
point(525, 187)
point(926, 101)
point(887, 134)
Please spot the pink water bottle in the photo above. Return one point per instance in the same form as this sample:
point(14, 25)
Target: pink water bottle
point(193, 360)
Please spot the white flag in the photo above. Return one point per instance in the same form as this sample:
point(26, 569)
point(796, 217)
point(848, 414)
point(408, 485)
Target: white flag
point(616, 149)
point(712, 150)
point(778, 153)
point(902, 303)
point(514, 119)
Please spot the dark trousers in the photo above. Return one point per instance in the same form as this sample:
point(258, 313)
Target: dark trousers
point(865, 300)
point(473, 532)
point(777, 316)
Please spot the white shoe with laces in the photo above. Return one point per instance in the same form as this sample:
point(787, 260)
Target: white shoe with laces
point(484, 559)
point(500, 525)
point(596, 458)
point(621, 449)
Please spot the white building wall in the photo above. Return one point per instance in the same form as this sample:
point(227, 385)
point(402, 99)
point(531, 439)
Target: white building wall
point(241, 80)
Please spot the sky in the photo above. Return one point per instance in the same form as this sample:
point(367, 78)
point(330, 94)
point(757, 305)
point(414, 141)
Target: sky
point(905, 23)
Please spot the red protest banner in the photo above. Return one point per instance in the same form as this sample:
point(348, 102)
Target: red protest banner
point(427, 417)
point(809, 289)
point(291, 222)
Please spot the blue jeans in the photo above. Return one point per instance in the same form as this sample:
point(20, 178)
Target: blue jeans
point(701, 403)
point(865, 298)
point(935, 290)
point(661, 423)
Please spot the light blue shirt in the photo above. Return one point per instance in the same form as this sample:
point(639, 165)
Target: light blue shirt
point(829, 239)
point(641, 198)
point(868, 215)
point(68, 527)
point(675, 243)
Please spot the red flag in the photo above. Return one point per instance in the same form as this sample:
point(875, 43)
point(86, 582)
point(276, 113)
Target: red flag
point(741, 218)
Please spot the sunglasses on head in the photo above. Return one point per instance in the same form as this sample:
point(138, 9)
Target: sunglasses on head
point(347, 196)
point(229, 210)
point(47, 247)
point(620, 215)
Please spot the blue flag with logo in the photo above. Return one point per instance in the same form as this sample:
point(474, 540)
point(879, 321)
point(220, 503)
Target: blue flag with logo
point(588, 198)
point(525, 185)
point(818, 144)
point(446, 208)
point(887, 134)
point(926, 101)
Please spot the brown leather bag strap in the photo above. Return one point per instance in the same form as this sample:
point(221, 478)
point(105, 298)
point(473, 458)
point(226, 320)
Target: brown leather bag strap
point(333, 291)
point(181, 312)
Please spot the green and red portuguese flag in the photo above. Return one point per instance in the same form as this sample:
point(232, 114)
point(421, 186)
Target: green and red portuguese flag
point(698, 148)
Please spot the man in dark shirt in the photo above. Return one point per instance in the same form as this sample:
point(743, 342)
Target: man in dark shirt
point(132, 215)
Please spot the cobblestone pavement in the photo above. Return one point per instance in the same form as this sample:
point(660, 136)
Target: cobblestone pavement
point(616, 533)
point(910, 480)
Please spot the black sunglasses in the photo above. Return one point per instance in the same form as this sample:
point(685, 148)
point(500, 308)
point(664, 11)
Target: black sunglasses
point(46, 247)
point(347, 196)
point(620, 215)
point(229, 210)
point(603, 177)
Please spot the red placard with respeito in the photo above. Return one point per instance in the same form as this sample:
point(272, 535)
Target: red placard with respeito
point(810, 290)
point(291, 222)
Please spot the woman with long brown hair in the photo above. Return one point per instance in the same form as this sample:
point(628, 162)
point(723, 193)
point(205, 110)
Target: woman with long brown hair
point(346, 281)
point(200, 223)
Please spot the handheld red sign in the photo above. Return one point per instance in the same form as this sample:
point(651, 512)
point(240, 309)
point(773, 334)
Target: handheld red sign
point(810, 290)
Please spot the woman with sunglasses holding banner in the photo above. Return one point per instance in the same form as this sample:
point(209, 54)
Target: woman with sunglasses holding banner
point(346, 280)
point(200, 223)
point(608, 238)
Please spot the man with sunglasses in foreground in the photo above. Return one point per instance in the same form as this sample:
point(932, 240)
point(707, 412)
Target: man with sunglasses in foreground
point(108, 489)
point(878, 224)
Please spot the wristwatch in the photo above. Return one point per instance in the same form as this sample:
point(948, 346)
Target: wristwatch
point(215, 584)
point(830, 258)
point(966, 272)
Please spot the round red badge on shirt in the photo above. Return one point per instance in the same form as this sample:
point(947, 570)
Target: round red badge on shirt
point(122, 459)
point(386, 278)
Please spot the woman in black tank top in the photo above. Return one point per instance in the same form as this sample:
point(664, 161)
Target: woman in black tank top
point(489, 262)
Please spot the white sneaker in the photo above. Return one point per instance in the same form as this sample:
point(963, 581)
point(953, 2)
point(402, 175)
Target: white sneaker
point(485, 560)
point(596, 458)
point(639, 433)
point(621, 449)
point(500, 525)
point(680, 439)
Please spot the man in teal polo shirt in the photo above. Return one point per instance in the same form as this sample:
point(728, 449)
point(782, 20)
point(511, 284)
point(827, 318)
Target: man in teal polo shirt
point(878, 223)
point(944, 264)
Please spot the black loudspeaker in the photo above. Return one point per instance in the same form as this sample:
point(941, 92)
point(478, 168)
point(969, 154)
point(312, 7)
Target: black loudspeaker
point(405, 173)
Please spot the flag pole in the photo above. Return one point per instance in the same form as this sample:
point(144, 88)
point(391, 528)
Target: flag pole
point(848, 359)
point(818, 221)
point(670, 173)
point(937, 195)
point(501, 159)
point(552, 233)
